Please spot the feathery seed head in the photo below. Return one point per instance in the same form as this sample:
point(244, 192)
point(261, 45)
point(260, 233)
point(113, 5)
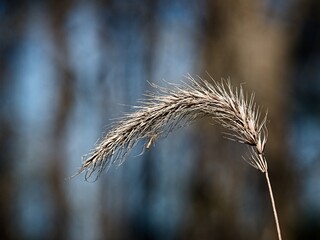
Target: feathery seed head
point(170, 108)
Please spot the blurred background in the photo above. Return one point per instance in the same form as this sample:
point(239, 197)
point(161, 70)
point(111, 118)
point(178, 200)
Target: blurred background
point(67, 68)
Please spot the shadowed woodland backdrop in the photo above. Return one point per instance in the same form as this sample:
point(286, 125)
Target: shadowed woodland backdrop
point(67, 68)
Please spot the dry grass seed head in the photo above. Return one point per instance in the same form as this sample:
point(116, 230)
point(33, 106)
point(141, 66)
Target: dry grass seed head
point(167, 109)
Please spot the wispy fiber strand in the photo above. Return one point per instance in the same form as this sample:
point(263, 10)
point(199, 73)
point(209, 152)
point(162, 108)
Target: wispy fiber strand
point(170, 108)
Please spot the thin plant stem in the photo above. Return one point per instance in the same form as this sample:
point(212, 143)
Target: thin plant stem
point(273, 206)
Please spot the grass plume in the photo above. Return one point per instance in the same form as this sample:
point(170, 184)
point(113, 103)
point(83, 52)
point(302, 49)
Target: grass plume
point(167, 109)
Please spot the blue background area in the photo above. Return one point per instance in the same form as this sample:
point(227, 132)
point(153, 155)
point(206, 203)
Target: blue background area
point(69, 68)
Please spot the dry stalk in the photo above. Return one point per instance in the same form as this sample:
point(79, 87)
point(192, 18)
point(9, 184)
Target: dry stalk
point(171, 108)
